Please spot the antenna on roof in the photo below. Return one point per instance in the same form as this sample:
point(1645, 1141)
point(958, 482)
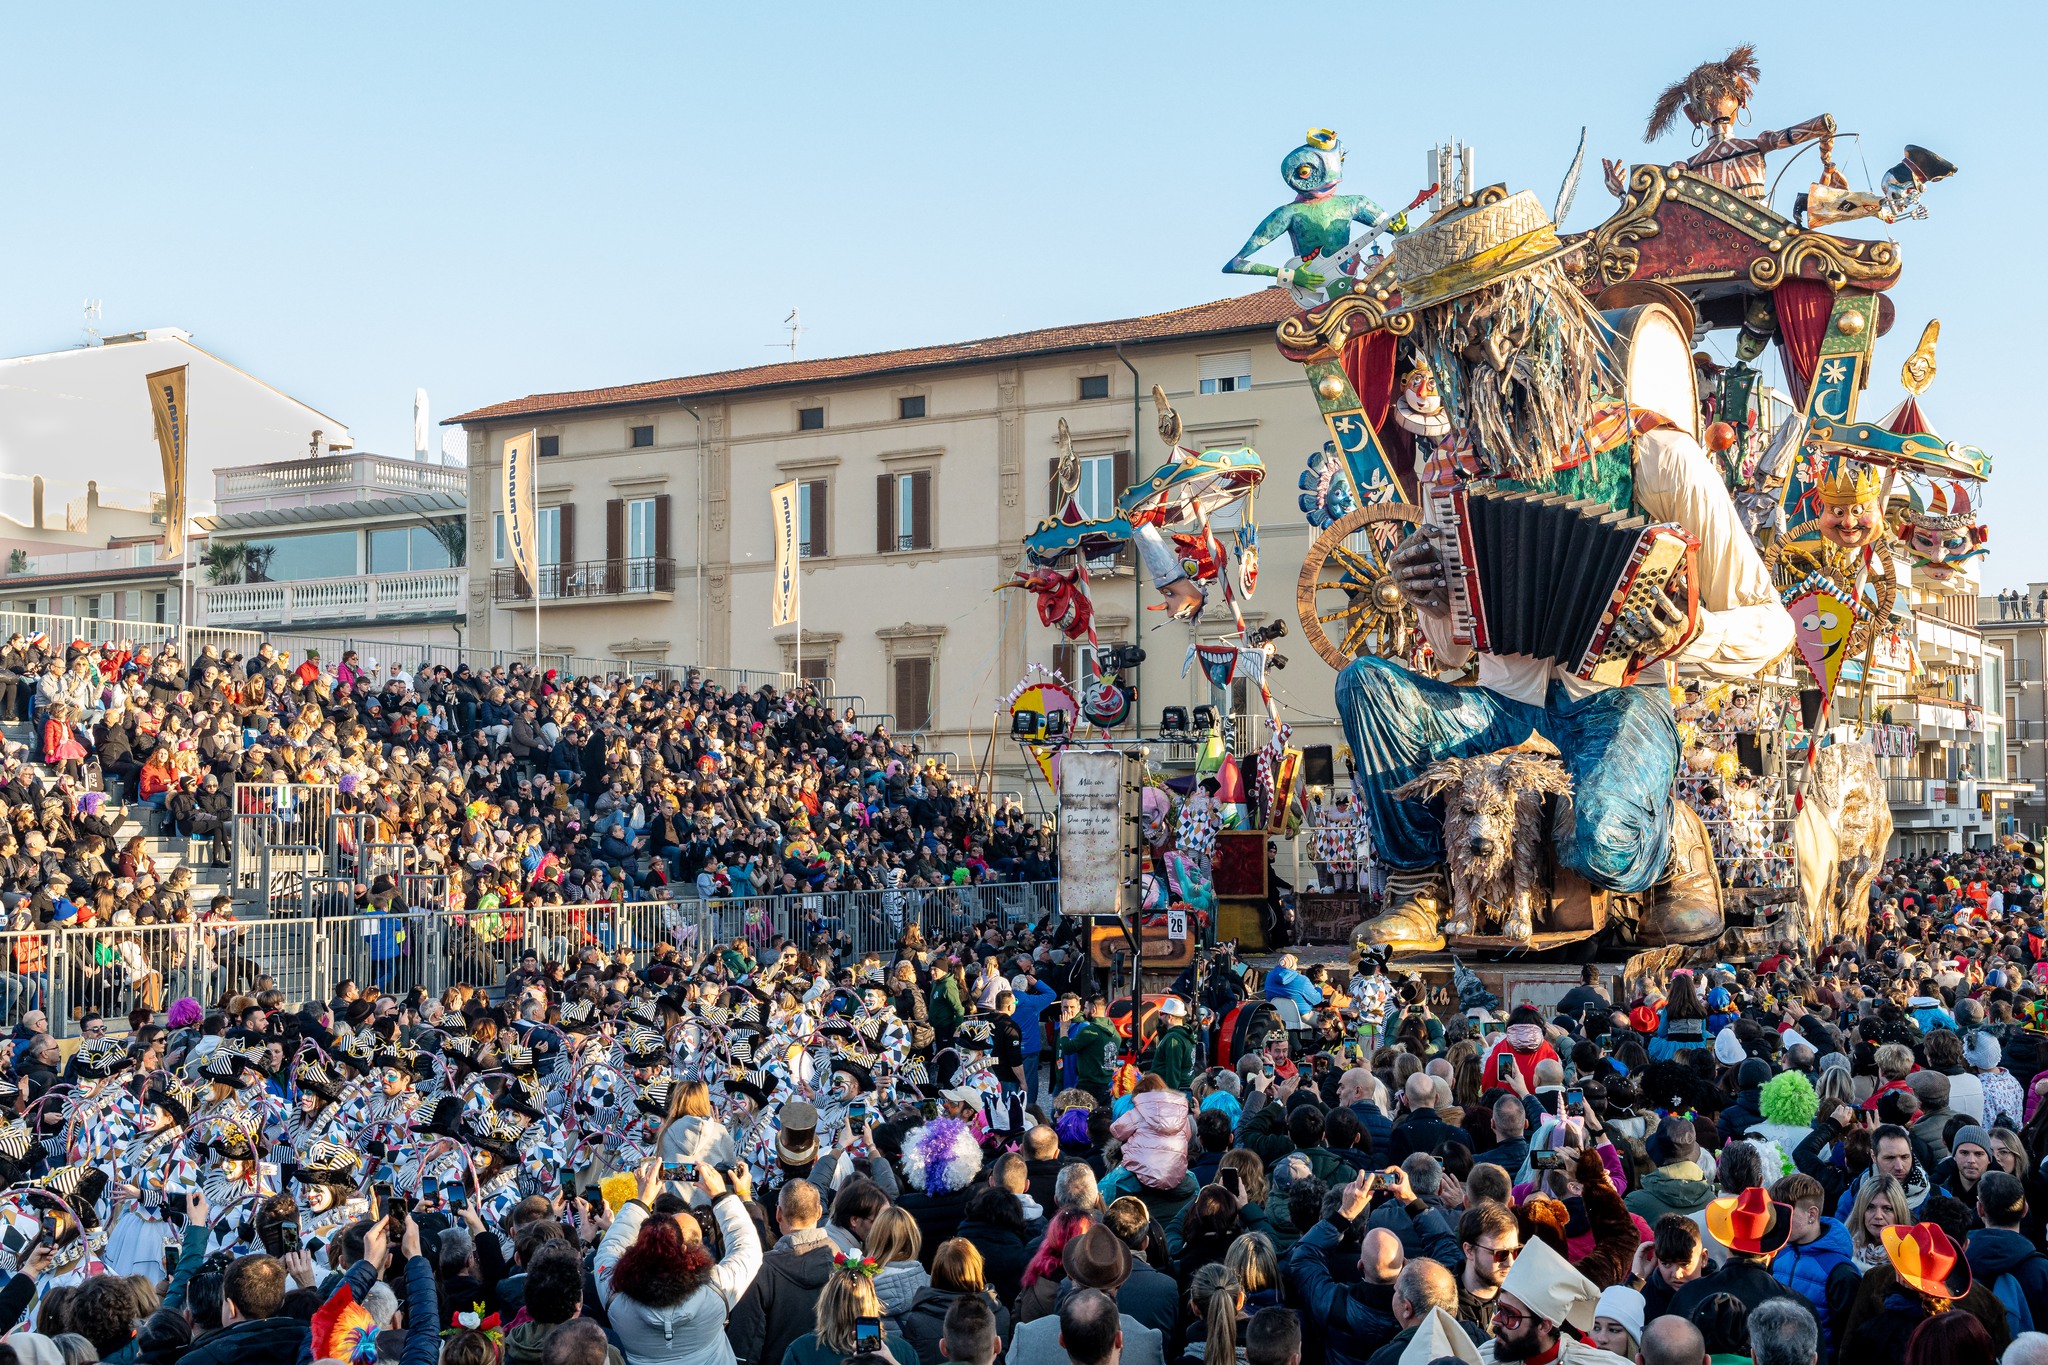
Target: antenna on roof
point(92, 315)
point(796, 329)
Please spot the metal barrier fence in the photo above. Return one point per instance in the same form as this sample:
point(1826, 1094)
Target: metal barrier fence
point(115, 969)
point(731, 679)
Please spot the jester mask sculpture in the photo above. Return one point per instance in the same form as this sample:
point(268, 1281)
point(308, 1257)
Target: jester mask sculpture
point(1528, 385)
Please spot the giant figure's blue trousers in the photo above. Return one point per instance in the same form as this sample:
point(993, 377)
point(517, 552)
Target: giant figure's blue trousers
point(1620, 746)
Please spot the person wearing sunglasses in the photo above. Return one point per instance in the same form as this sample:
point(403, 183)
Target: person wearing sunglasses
point(1541, 1295)
point(1490, 1239)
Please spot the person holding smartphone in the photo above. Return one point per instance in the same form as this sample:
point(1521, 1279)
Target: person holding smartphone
point(661, 1299)
point(1523, 1045)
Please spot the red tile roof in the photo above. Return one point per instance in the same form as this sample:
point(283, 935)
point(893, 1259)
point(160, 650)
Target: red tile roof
point(1260, 310)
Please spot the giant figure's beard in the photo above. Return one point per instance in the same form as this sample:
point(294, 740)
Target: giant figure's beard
point(1518, 365)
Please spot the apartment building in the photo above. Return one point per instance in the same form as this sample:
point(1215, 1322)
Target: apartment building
point(1938, 681)
point(920, 472)
point(2017, 631)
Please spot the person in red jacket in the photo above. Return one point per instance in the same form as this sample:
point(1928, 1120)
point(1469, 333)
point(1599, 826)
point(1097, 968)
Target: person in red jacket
point(1525, 1043)
point(61, 748)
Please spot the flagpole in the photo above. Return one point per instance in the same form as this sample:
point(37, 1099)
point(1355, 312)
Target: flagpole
point(184, 589)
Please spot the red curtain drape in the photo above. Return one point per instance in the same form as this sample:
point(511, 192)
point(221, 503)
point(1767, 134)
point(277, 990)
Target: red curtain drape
point(1369, 365)
point(1803, 307)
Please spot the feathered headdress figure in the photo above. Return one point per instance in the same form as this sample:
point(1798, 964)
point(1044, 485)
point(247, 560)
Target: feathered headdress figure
point(1703, 91)
point(343, 1330)
point(941, 1157)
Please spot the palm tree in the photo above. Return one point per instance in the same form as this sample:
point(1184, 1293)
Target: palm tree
point(224, 561)
point(454, 538)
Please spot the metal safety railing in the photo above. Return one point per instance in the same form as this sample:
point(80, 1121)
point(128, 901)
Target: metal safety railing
point(114, 969)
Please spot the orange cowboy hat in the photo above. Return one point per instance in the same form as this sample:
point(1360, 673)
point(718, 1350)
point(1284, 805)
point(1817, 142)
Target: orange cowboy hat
point(1925, 1259)
point(1749, 1223)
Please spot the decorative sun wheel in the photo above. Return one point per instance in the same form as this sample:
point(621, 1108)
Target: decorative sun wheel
point(1788, 562)
point(1347, 600)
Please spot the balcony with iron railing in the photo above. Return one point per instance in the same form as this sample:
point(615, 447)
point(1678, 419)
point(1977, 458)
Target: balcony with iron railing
point(1909, 792)
point(331, 479)
point(410, 595)
point(642, 578)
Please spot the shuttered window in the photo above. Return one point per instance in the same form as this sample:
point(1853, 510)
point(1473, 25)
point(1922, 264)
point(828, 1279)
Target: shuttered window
point(810, 519)
point(913, 700)
point(903, 511)
point(1226, 372)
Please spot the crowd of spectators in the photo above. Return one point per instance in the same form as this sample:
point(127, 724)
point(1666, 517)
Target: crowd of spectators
point(513, 788)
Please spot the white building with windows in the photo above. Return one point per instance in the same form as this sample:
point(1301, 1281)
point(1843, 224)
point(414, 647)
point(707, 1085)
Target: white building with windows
point(1944, 688)
point(343, 544)
point(81, 478)
point(920, 471)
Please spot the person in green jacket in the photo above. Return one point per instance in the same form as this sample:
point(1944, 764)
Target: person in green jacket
point(1173, 1052)
point(948, 1006)
point(1094, 1048)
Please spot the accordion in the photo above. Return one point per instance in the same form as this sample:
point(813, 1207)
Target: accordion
point(1547, 576)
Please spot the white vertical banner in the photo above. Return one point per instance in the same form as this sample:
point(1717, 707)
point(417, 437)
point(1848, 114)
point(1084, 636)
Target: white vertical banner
point(783, 501)
point(1098, 795)
point(522, 520)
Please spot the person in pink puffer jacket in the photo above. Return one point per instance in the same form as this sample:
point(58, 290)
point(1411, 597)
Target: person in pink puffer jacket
point(1154, 1132)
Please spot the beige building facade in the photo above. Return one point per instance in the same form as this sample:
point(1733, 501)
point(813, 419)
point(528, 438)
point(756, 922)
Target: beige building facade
point(921, 473)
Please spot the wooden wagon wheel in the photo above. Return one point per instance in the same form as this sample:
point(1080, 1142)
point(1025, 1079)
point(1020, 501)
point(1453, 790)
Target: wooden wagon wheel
point(1883, 578)
point(1374, 614)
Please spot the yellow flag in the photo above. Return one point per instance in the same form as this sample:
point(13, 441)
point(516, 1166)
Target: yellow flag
point(783, 499)
point(522, 520)
point(173, 430)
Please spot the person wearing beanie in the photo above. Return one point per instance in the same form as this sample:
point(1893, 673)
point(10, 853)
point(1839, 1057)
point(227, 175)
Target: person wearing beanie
point(1748, 1109)
point(1944, 1051)
point(2003, 1098)
point(1618, 1322)
point(1678, 1184)
point(1932, 1090)
point(1972, 1156)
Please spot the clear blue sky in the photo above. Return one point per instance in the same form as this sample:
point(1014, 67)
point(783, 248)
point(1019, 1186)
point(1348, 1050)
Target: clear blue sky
point(489, 200)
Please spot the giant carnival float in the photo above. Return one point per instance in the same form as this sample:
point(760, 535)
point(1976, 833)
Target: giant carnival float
point(1604, 611)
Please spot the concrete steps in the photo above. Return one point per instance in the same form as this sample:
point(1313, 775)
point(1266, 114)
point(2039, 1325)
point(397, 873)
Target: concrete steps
point(168, 852)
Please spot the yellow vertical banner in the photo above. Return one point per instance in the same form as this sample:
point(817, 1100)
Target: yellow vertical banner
point(522, 521)
point(783, 499)
point(173, 430)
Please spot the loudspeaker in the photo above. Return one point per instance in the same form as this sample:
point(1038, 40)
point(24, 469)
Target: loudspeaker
point(1810, 699)
point(1317, 769)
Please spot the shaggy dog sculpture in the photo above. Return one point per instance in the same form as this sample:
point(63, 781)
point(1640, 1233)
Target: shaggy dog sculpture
point(1493, 834)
